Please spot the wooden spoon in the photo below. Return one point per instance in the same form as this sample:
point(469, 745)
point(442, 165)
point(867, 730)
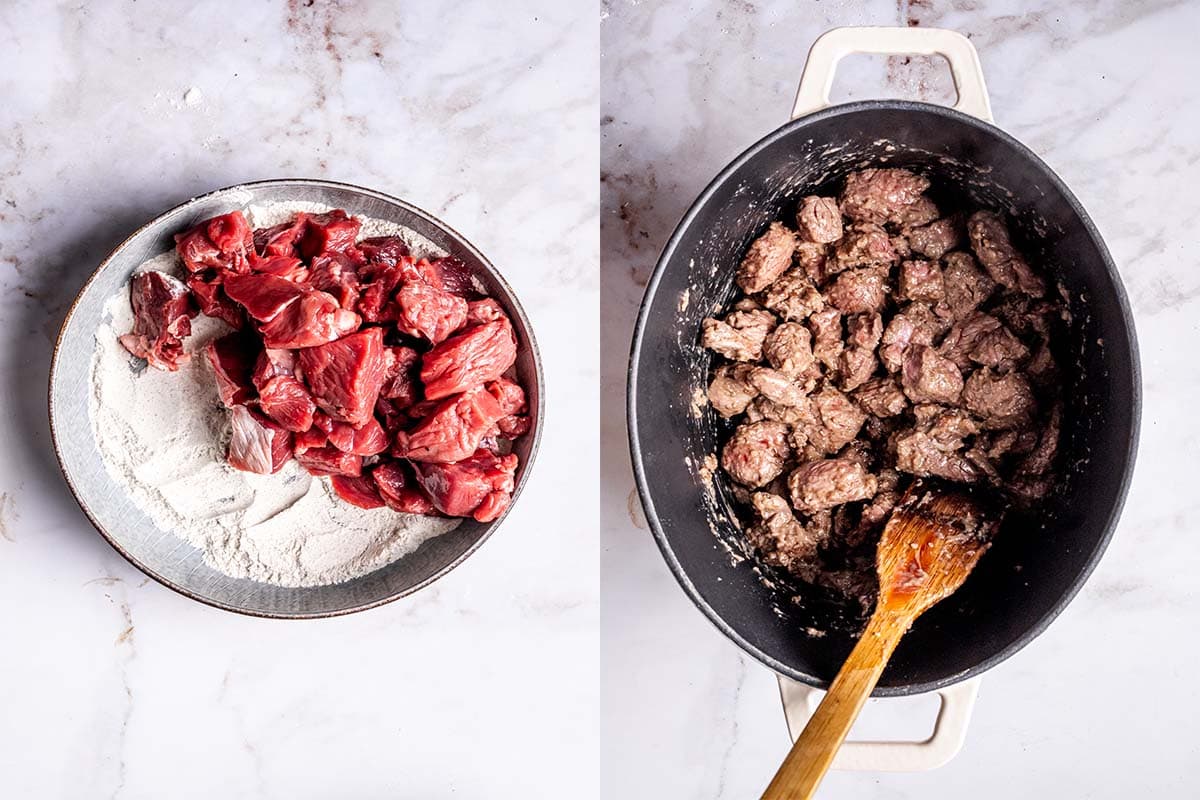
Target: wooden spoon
point(929, 546)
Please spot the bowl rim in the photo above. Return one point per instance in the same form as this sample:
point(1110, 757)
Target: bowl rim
point(513, 306)
point(648, 297)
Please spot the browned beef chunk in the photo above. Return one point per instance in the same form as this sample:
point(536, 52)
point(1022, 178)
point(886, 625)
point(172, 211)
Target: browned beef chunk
point(1041, 457)
point(1027, 316)
point(900, 245)
point(881, 397)
point(756, 453)
point(813, 260)
point(782, 533)
point(856, 365)
point(788, 349)
point(778, 387)
point(863, 245)
point(731, 391)
point(826, 327)
point(921, 280)
point(864, 330)
point(935, 239)
point(819, 220)
point(921, 211)
point(762, 408)
point(1042, 369)
point(768, 257)
point(740, 336)
point(933, 446)
point(881, 195)
point(964, 337)
point(914, 325)
point(876, 512)
point(793, 297)
point(999, 349)
point(820, 485)
point(995, 251)
point(1001, 401)
point(929, 378)
point(831, 422)
point(966, 286)
point(860, 291)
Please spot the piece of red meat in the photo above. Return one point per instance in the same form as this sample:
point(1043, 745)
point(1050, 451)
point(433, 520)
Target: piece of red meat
point(391, 415)
point(469, 358)
point(428, 313)
point(345, 376)
point(285, 400)
point(514, 425)
point(162, 317)
point(286, 267)
point(271, 363)
point(383, 250)
point(321, 461)
point(399, 488)
point(454, 429)
point(263, 296)
point(357, 491)
point(485, 310)
point(232, 360)
point(210, 296)
point(508, 394)
point(369, 440)
point(316, 436)
point(400, 381)
point(335, 273)
point(258, 444)
point(422, 409)
point(454, 277)
point(223, 242)
point(480, 485)
point(334, 232)
point(312, 320)
point(280, 240)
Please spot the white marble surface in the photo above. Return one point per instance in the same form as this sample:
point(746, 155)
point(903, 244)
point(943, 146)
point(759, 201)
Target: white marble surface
point(1104, 704)
point(483, 685)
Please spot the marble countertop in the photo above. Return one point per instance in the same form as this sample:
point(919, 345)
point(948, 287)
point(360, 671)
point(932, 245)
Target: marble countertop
point(1103, 704)
point(486, 683)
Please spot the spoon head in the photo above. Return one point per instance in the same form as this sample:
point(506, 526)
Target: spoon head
point(932, 541)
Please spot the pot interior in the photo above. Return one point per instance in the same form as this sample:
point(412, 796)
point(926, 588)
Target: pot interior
point(1039, 560)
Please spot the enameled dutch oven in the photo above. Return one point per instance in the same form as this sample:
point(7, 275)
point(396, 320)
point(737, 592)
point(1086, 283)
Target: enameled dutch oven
point(1039, 561)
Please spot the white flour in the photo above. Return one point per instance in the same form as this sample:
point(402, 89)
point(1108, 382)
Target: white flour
point(162, 436)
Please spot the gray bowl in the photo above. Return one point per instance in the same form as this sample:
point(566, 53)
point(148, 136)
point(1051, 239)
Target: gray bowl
point(165, 557)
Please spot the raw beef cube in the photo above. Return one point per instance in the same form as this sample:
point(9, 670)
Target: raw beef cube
point(400, 381)
point(210, 296)
point(286, 267)
point(263, 296)
point(231, 358)
point(452, 276)
point(429, 313)
point(514, 425)
point(285, 400)
point(454, 429)
point(223, 242)
point(335, 273)
point(272, 363)
point(357, 491)
point(485, 310)
point(469, 358)
point(384, 250)
point(280, 240)
point(369, 440)
point(322, 461)
point(481, 485)
point(325, 233)
point(346, 376)
point(316, 436)
point(508, 394)
point(374, 303)
point(314, 319)
point(162, 317)
point(258, 444)
point(399, 488)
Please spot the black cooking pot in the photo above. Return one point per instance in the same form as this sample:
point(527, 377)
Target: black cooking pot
point(1039, 561)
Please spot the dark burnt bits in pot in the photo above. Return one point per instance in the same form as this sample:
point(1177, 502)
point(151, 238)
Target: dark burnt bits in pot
point(878, 338)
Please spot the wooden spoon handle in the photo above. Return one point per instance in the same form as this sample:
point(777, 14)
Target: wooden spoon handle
point(811, 755)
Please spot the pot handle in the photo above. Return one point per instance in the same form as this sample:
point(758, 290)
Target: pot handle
point(834, 45)
point(949, 731)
